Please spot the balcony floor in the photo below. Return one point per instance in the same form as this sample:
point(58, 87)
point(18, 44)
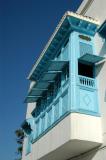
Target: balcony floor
point(70, 149)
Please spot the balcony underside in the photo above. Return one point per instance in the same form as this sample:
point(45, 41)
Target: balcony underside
point(69, 150)
point(74, 135)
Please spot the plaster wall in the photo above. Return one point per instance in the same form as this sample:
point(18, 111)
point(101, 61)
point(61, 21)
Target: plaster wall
point(97, 10)
point(66, 139)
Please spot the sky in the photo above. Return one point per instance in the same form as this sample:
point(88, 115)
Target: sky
point(25, 27)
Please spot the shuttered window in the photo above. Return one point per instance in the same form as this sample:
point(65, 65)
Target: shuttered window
point(85, 48)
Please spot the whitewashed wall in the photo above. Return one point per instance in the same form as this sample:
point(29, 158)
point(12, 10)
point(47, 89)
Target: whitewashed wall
point(98, 10)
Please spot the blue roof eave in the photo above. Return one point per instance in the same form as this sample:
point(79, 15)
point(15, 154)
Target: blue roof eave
point(91, 29)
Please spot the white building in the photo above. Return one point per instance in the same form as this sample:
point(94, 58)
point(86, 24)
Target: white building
point(66, 111)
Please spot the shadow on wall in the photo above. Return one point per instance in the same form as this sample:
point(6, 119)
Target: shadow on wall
point(103, 53)
point(105, 96)
point(103, 49)
point(98, 68)
point(86, 156)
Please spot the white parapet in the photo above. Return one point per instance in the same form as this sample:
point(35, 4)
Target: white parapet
point(75, 134)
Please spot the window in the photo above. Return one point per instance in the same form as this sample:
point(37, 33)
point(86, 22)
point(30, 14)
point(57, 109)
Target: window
point(85, 70)
point(44, 100)
point(57, 84)
point(50, 93)
point(38, 108)
point(85, 48)
point(65, 73)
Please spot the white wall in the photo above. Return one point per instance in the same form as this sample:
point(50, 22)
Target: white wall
point(74, 135)
point(98, 10)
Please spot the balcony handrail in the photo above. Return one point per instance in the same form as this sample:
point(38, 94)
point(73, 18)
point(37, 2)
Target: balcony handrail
point(86, 81)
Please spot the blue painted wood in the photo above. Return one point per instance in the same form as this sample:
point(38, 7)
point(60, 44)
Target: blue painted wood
point(43, 123)
point(56, 111)
point(74, 51)
point(64, 103)
point(65, 53)
point(49, 117)
point(71, 92)
point(85, 48)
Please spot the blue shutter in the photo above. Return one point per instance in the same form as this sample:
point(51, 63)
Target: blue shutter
point(85, 48)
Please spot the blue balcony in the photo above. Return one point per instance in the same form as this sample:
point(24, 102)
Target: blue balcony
point(57, 106)
point(88, 96)
point(65, 92)
point(54, 112)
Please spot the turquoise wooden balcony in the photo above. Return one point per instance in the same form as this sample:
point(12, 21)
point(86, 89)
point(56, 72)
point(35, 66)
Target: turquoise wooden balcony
point(55, 110)
point(88, 96)
point(65, 92)
point(57, 107)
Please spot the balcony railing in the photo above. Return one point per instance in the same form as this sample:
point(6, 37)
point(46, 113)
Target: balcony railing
point(53, 113)
point(87, 82)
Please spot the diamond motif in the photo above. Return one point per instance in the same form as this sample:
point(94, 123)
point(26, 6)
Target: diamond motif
point(87, 99)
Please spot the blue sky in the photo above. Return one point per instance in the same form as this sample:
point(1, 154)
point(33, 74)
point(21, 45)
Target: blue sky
point(25, 27)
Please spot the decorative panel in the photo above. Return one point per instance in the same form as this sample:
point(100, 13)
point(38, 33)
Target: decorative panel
point(42, 123)
point(49, 117)
point(56, 111)
point(65, 103)
point(37, 128)
point(88, 100)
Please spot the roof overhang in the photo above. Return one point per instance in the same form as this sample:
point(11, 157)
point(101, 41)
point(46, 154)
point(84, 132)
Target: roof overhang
point(91, 59)
point(69, 22)
point(42, 84)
